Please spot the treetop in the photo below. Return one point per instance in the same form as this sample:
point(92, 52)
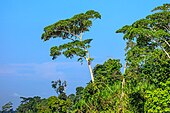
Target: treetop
point(69, 28)
point(164, 7)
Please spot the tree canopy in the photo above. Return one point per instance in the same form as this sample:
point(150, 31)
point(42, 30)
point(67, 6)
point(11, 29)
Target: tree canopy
point(72, 29)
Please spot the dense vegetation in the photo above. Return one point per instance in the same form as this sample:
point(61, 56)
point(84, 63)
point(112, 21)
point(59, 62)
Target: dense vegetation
point(143, 87)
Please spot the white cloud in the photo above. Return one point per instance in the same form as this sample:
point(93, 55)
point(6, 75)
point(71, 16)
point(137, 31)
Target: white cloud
point(45, 70)
point(17, 95)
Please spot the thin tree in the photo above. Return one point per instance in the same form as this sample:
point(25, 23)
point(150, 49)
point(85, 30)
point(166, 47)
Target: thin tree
point(72, 29)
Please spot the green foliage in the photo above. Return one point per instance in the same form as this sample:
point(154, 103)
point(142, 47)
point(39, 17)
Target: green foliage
point(143, 88)
point(71, 29)
point(101, 97)
point(43, 106)
point(54, 105)
point(51, 105)
point(158, 100)
point(147, 43)
point(59, 86)
point(57, 105)
point(7, 108)
point(110, 67)
point(79, 93)
point(152, 32)
point(104, 95)
point(148, 61)
point(29, 105)
point(156, 68)
point(165, 7)
point(60, 89)
point(70, 49)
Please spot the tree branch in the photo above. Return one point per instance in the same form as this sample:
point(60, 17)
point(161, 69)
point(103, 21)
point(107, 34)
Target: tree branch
point(167, 43)
point(69, 33)
point(167, 29)
point(165, 52)
point(163, 48)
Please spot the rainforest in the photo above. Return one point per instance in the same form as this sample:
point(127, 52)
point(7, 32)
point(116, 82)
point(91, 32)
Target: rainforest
point(143, 86)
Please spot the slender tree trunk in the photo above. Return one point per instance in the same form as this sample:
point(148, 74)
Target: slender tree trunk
point(122, 94)
point(91, 72)
point(90, 68)
point(87, 59)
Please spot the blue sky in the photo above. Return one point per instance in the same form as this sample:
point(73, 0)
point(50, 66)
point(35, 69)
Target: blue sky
point(26, 69)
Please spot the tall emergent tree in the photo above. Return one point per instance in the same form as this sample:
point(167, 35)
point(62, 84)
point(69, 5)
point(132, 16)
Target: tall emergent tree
point(148, 61)
point(152, 32)
point(72, 29)
point(147, 36)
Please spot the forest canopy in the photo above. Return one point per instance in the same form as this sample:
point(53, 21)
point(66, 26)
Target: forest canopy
point(143, 87)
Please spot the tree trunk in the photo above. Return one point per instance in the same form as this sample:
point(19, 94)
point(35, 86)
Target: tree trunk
point(121, 110)
point(91, 72)
point(87, 59)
